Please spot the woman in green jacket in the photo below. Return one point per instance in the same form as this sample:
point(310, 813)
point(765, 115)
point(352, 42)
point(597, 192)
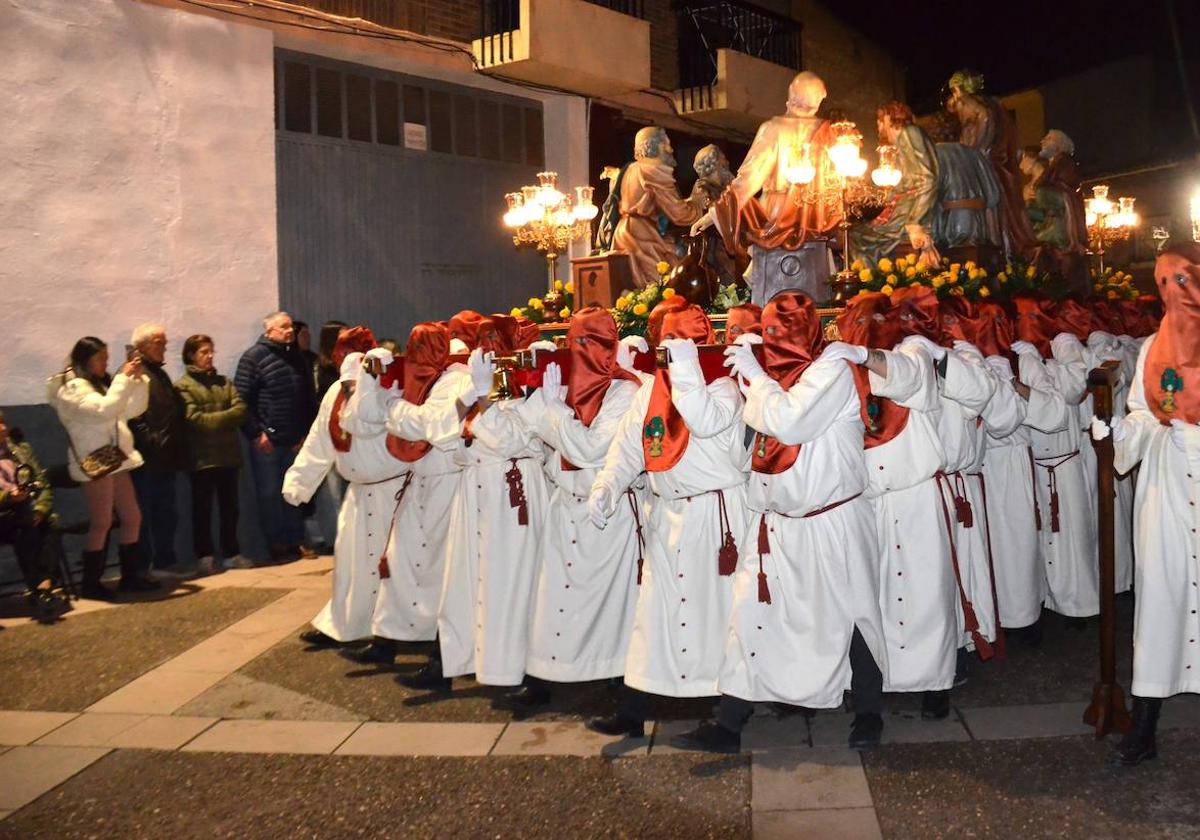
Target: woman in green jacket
point(214, 415)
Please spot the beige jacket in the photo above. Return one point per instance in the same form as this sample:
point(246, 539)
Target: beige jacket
point(93, 419)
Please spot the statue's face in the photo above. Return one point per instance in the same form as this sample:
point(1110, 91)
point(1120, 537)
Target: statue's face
point(954, 100)
point(805, 95)
point(886, 129)
point(1049, 147)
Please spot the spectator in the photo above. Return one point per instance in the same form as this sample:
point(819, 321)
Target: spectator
point(272, 380)
point(26, 511)
point(214, 411)
point(159, 436)
point(326, 373)
point(93, 408)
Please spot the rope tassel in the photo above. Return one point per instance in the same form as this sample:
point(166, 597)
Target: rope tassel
point(727, 554)
point(516, 493)
point(764, 547)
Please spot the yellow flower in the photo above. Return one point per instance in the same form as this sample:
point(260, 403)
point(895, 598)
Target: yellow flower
point(911, 259)
point(668, 293)
point(970, 265)
point(1002, 277)
point(516, 312)
point(952, 277)
point(891, 279)
point(640, 309)
point(981, 271)
point(1030, 272)
point(887, 290)
point(570, 287)
point(865, 275)
point(558, 285)
point(957, 290)
point(1097, 287)
point(938, 281)
point(885, 265)
point(622, 303)
point(954, 267)
point(662, 267)
point(1112, 294)
point(564, 313)
point(972, 274)
point(536, 303)
point(910, 271)
point(856, 265)
point(984, 291)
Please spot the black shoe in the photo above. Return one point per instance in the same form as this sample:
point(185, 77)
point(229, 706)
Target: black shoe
point(133, 579)
point(935, 705)
point(866, 731)
point(137, 584)
point(96, 591)
point(93, 570)
point(962, 667)
point(427, 678)
point(1030, 636)
point(709, 736)
point(318, 639)
point(618, 724)
point(1139, 744)
point(47, 606)
point(379, 652)
point(527, 696)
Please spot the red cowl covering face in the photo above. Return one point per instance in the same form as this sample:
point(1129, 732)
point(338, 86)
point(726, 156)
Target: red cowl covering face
point(991, 328)
point(352, 340)
point(660, 310)
point(425, 358)
point(919, 311)
point(958, 314)
point(664, 434)
point(792, 339)
point(870, 321)
point(474, 330)
point(743, 319)
point(1035, 322)
point(592, 339)
point(1172, 370)
point(1071, 316)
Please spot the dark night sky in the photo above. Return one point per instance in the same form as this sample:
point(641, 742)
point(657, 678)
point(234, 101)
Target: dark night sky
point(1016, 44)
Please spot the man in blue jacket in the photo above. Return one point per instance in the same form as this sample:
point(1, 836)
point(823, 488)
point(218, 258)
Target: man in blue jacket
point(275, 384)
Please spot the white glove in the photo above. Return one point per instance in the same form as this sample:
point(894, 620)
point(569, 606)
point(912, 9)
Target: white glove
point(935, 350)
point(967, 348)
point(840, 350)
point(680, 349)
point(1000, 366)
point(628, 347)
point(383, 354)
point(748, 338)
point(1101, 430)
point(1185, 436)
point(552, 390)
point(1066, 347)
point(739, 358)
point(481, 367)
point(598, 504)
point(292, 498)
point(543, 344)
point(1023, 347)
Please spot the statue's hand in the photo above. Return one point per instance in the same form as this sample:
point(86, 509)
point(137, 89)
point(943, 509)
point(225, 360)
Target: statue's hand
point(609, 173)
point(702, 224)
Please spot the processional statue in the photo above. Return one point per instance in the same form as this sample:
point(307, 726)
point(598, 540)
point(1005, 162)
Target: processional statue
point(786, 228)
point(1057, 211)
point(713, 176)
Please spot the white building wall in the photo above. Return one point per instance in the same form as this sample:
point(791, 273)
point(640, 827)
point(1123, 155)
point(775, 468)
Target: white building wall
point(137, 175)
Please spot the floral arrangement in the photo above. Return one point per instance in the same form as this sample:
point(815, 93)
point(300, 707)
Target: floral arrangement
point(948, 280)
point(535, 310)
point(632, 309)
point(1020, 276)
point(1114, 285)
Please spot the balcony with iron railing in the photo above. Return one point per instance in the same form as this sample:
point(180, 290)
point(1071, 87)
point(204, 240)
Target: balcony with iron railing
point(735, 61)
point(590, 47)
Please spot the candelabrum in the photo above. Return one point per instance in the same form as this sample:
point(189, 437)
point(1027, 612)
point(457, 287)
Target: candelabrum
point(1108, 222)
point(1194, 208)
point(857, 198)
point(548, 219)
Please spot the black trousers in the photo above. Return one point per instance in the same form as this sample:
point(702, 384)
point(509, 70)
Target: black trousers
point(222, 483)
point(866, 684)
point(27, 539)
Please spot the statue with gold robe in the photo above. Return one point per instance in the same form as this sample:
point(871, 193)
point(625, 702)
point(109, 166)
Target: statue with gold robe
point(785, 226)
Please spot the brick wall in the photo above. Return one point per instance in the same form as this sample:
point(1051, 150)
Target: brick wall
point(457, 20)
point(664, 55)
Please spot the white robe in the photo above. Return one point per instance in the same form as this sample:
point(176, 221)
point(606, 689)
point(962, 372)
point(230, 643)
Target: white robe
point(492, 560)
point(918, 592)
point(1166, 624)
point(585, 591)
point(374, 476)
point(822, 570)
point(682, 613)
point(1069, 554)
point(406, 609)
point(965, 391)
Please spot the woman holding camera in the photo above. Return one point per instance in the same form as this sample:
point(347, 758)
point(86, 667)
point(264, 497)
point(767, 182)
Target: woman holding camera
point(93, 408)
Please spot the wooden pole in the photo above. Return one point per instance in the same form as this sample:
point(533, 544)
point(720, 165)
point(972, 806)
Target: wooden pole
point(1107, 710)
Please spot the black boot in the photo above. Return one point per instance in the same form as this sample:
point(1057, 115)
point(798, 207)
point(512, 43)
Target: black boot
point(962, 667)
point(379, 652)
point(866, 731)
point(709, 736)
point(93, 570)
point(618, 724)
point(316, 638)
point(132, 579)
point(427, 678)
point(935, 705)
point(531, 694)
point(1138, 744)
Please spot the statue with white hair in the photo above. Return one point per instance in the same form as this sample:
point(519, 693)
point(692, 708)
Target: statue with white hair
point(787, 228)
point(1057, 211)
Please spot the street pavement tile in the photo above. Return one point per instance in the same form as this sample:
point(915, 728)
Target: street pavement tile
point(819, 824)
point(273, 736)
point(238, 696)
point(1038, 721)
point(1179, 712)
point(449, 739)
point(90, 730)
point(142, 793)
point(832, 729)
point(28, 772)
point(564, 738)
point(161, 732)
point(817, 777)
point(1039, 787)
point(76, 662)
point(159, 692)
point(770, 732)
point(19, 728)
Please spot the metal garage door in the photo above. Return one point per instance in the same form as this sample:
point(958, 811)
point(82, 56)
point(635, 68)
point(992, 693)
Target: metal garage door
point(390, 192)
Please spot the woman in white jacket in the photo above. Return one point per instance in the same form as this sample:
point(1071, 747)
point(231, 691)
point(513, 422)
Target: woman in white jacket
point(93, 408)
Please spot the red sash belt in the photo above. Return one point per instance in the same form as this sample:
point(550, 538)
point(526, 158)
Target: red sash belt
point(637, 526)
point(1037, 509)
point(1001, 645)
point(764, 542)
point(384, 570)
point(982, 646)
point(1050, 468)
point(516, 492)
